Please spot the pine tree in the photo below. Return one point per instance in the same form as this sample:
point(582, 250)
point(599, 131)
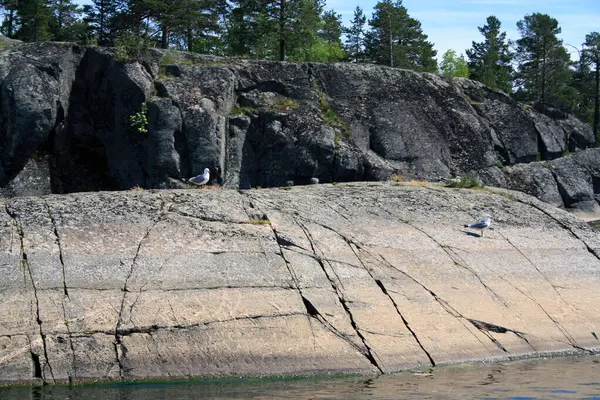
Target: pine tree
point(34, 17)
point(490, 60)
point(355, 36)
point(591, 56)
point(65, 24)
point(303, 30)
point(453, 66)
point(9, 21)
point(241, 28)
point(397, 40)
point(102, 17)
point(543, 72)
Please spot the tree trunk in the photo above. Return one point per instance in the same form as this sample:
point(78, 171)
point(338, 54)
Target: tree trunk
point(190, 40)
point(281, 31)
point(597, 102)
point(164, 40)
point(391, 43)
point(544, 63)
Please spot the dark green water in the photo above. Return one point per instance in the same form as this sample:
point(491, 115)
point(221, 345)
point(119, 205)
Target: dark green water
point(557, 378)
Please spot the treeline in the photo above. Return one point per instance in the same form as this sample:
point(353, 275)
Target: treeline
point(537, 68)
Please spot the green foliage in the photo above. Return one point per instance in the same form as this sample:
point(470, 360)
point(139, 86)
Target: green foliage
point(543, 74)
point(65, 24)
point(397, 40)
point(170, 57)
point(490, 60)
point(354, 45)
point(241, 110)
point(464, 182)
point(34, 18)
point(130, 47)
point(453, 66)
point(284, 104)
point(591, 59)
point(332, 119)
point(139, 121)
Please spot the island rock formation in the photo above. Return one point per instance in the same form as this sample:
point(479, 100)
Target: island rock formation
point(78, 119)
point(351, 277)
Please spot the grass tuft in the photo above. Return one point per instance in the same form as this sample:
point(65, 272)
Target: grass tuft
point(398, 178)
point(259, 221)
point(464, 182)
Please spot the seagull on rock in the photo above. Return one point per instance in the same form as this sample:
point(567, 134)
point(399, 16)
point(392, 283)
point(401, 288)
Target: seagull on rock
point(481, 225)
point(201, 179)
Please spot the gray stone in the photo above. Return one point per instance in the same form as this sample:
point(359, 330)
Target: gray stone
point(352, 277)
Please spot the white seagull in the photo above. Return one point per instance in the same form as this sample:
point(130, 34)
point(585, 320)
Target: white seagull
point(481, 225)
point(201, 179)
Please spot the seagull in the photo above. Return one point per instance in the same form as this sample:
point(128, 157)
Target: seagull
point(201, 179)
point(483, 224)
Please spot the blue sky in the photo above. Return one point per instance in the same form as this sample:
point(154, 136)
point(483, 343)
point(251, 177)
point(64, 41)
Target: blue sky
point(452, 24)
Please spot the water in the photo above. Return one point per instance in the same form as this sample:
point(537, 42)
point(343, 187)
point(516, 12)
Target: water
point(558, 378)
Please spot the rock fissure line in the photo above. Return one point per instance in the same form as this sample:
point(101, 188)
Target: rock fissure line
point(370, 353)
point(449, 309)
point(558, 325)
point(443, 303)
point(118, 345)
point(412, 332)
point(59, 244)
point(450, 253)
point(311, 310)
point(384, 290)
point(65, 289)
point(27, 268)
point(562, 224)
point(544, 276)
point(157, 327)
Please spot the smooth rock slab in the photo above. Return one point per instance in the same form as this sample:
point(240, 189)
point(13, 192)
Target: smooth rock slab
point(368, 278)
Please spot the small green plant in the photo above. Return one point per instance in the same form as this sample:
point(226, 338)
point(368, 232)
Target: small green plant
point(241, 110)
point(332, 119)
point(170, 57)
point(129, 47)
point(139, 120)
point(464, 182)
point(285, 104)
point(538, 156)
point(595, 224)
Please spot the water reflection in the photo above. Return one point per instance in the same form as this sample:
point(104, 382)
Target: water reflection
point(559, 378)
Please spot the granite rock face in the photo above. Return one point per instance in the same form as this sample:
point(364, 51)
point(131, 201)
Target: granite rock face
point(252, 123)
point(367, 278)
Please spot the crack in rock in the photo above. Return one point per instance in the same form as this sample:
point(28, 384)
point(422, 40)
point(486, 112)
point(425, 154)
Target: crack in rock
point(412, 332)
point(120, 349)
point(311, 310)
point(25, 265)
point(157, 327)
point(370, 353)
point(65, 290)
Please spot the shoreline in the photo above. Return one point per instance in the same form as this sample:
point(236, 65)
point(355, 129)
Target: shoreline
point(306, 376)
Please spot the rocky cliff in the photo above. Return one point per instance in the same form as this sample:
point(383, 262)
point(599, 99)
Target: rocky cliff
point(368, 277)
point(66, 125)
